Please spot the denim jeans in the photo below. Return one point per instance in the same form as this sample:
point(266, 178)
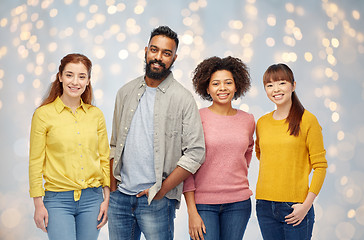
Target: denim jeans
point(271, 218)
point(225, 221)
point(72, 220)
point(130, 216)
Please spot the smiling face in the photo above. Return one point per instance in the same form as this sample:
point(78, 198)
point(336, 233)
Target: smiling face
point(159, 57)
point(280, 92)
point(74, 79)
point(222, 87)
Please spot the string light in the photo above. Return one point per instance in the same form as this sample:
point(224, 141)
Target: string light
point(324, 55)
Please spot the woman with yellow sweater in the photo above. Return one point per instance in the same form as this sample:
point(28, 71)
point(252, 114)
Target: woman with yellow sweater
point(69, 149)
point(289, 145)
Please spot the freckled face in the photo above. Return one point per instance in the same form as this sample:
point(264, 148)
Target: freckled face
point(222, 87)
point(74, 79)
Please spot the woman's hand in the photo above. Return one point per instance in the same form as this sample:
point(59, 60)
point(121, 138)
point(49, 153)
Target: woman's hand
point(103, 208)
point(103, 214)
point(40, 214)
point(300, 210)
point(196, 226)
point(298, 214)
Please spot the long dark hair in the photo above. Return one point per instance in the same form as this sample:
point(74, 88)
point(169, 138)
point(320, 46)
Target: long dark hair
point(280, 71)
point(56, 89)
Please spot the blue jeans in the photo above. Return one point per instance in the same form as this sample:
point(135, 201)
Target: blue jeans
point(225, 221)
point(72, 220)
point(271, 218)
point(130, 216)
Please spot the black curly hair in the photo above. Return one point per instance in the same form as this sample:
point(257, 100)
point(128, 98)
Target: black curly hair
point(204, 70)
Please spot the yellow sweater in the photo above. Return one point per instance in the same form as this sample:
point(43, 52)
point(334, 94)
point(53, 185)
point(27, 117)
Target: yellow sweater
point(286, 161)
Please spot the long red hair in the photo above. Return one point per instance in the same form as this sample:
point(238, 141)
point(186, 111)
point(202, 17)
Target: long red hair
point(277, 72)
point(56, 88)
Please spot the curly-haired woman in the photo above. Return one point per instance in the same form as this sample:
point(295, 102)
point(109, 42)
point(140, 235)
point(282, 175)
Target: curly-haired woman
point(218, 194)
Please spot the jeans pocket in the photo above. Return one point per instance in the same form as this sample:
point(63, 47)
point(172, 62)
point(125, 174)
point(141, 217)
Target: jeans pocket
point(260, 202)
point(49, 195)
point(97, 189)
point(289, 204)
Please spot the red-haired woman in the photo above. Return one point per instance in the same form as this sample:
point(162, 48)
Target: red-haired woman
point(289, 145)
point(69, 150)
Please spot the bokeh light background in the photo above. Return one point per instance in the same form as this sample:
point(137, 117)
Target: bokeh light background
point(322, 41)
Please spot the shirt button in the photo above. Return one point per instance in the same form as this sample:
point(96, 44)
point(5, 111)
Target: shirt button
point(81, 155)
point(78, 132)
point(126, 128)
point(121, 145)
point(79, 144)
point(132, 110)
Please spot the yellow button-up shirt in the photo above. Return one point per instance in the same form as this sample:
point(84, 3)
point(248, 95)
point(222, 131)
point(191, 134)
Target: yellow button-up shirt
point(69, 150)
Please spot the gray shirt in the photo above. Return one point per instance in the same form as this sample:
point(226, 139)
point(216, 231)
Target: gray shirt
point(178, 134)
point(137, 171)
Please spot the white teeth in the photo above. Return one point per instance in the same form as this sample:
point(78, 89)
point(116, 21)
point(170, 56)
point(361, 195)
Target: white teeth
point(278, 96)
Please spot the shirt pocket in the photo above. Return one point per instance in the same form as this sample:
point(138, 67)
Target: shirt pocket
point(173, 125)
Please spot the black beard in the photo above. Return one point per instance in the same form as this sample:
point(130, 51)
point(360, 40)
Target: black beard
point(156, 75)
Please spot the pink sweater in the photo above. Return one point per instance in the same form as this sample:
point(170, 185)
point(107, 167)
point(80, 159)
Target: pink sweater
point(222, 178)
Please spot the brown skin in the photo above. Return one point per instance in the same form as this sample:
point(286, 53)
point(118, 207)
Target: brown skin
point(163, 49)
point(113, 184)
point(177, 176)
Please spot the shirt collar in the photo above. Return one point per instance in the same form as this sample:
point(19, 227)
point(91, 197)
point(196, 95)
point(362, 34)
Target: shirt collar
point(163, 86)
point(59, 105)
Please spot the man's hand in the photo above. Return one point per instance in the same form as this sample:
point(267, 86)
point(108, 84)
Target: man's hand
point(158, 196)
point(145, 192)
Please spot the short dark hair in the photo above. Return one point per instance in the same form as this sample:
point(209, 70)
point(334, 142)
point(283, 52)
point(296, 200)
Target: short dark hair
point(165, 31)
point(202, 75)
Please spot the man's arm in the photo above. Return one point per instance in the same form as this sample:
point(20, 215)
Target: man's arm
point(177, 176)
point(113, 184)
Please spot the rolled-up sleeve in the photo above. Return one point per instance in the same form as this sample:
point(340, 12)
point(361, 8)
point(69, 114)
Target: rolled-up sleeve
point(193, 143)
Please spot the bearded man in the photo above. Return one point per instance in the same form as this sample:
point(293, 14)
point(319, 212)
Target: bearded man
point(157, 142)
